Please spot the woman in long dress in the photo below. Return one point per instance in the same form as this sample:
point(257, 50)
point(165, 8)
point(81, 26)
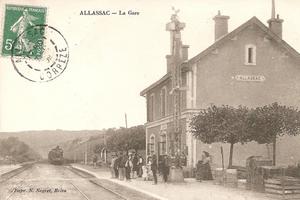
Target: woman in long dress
point(206, 170)
point(199, 170)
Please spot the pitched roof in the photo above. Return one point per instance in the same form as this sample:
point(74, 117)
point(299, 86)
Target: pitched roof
point(233, 33)
point(165, 77)
point(227, 37)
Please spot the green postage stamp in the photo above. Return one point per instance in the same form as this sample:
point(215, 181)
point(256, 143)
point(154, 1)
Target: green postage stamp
point(38, 52)
point(18, 19)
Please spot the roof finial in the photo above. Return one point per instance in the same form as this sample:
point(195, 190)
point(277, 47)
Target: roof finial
point(273, 9)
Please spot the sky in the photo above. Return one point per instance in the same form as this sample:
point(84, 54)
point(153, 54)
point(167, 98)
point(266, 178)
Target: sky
point(113, 58)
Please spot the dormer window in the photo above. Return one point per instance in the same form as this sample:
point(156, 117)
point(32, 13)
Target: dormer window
point(250, 54)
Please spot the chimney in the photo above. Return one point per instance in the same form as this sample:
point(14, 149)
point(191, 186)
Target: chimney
point(221, 25)
point(169, 63)
point(275, 24)
point(185, 52)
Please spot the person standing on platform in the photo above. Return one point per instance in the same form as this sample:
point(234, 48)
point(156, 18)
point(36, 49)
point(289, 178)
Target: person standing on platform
point(112, 164)
point(140, 164)
point(134, 165)
point(116, 165)
point(154, 168)
point(128, 167)
point(147, 173)
point(165, 168)
point(199, 170)
point(95, 159)
point(121, 167)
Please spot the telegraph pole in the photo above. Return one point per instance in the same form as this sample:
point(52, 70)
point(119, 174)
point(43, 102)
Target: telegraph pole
point(125, 120)
point(175, 26)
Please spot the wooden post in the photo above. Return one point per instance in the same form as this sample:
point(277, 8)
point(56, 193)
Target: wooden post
point(125, 120)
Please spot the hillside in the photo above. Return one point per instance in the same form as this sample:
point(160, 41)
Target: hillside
point(43, 141)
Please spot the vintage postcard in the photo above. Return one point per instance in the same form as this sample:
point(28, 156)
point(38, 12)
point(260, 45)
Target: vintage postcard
point(149, 99)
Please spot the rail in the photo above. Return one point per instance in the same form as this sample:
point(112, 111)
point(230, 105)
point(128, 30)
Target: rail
point(83, 174)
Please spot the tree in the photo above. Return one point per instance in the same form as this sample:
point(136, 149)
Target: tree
point(123, 139)
point(221, 124)
point(98, 148)
point(17, 150)
point(271, 121)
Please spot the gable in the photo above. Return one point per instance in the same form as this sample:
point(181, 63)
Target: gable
point(256, 24)
point(224, 78)
point(253, 22)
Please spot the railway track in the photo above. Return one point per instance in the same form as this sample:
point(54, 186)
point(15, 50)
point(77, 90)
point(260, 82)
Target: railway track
point(13, 173)
point(81, 192)
point(12, 192)
point(73, 183)
point(123, 192)
point(92, 179)
point(21, 185)
point(83, 188)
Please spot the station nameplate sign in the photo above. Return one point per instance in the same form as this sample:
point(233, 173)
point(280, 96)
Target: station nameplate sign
point(252, 78)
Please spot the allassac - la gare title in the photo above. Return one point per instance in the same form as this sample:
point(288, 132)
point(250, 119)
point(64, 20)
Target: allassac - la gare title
point(108, 12)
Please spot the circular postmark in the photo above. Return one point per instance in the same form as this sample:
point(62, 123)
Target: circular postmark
point(40, 53)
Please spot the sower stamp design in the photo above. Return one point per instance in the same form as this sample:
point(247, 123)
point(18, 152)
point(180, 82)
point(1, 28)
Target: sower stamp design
point(46, 60)
point(17, 20)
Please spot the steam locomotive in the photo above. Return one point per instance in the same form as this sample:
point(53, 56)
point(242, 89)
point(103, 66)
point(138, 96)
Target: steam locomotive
point(56, 156)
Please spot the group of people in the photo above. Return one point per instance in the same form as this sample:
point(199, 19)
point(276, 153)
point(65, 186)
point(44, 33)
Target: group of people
point(132, 165)
point(160, 166)
point(126, 166)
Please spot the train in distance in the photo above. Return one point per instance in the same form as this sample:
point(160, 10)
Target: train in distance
point(56, 156)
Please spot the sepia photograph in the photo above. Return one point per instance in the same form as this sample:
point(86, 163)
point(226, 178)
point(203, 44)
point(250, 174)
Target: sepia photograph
point(149, 100)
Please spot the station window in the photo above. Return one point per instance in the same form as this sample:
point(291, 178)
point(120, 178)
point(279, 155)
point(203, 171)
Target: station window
point(250, 54)
point(163, 103)
point(151, 145)
point(150, 108)
point(163, 144)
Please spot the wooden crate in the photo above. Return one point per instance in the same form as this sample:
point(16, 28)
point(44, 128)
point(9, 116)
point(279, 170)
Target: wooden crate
point(231, 179)
point(227, 177)
point(284, 197)
point(283, 187)
point(219, 176)
point(242, 183)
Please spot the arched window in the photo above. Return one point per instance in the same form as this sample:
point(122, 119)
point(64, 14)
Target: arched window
point(150, 108)
point(163, 102)
point(163, 144)
point(250, 54)
point(151, 145)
